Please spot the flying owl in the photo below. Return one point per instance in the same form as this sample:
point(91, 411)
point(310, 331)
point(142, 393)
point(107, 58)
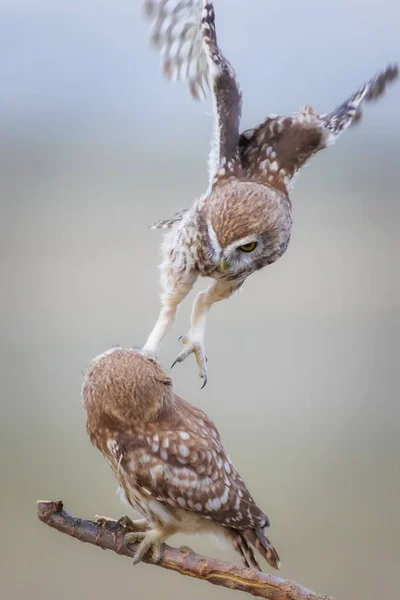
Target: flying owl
point(169, 460)
point(243, 221)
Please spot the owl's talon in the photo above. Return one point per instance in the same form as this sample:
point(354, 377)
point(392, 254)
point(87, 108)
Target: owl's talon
point(133, 537)
point(197, 349)
point(138, 557)
point(148, 542)
point(102, 521)
point(134, 526)
point(205, 379)
point(156, 553)
point(174, 363)
point(126, 522)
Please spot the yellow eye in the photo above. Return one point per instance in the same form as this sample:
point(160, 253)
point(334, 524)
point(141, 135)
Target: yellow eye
point(248, 247)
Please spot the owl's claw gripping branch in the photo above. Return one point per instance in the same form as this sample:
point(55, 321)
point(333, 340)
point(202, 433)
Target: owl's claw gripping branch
point(196, 348)
point(137, 525)
point(150, 540)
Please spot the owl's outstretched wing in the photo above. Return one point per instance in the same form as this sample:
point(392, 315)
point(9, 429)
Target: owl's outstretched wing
point(176, 32)
point(224, 158)
point(274, 151)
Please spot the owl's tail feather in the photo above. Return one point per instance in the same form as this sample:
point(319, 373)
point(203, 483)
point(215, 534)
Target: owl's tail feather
point(241, 545)
point(264, 547)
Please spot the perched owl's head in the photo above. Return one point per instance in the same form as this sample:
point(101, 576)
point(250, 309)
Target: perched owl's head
point(124, 387)
point(248, 225)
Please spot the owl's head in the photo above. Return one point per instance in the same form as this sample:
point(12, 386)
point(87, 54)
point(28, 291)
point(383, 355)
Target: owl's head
point(248, 227)
point(123, 386)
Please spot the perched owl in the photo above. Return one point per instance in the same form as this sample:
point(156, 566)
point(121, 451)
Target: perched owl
point(168, 458)
point(243, 221)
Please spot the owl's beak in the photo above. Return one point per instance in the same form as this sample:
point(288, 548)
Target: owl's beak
point(224, 265)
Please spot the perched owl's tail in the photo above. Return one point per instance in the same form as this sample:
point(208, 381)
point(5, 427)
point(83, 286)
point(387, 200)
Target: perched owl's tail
point(264, 547)
point(241, 545)
point(242, 542)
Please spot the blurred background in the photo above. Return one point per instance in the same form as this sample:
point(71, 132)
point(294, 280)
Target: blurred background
point(303, 362)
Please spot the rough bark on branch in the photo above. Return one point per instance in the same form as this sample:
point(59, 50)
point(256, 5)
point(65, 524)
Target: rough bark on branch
point(110, 535)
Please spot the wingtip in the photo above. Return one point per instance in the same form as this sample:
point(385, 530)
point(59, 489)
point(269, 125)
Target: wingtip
point(148, 8)
point(378, 85)
point(393, 68)
point(391, 72)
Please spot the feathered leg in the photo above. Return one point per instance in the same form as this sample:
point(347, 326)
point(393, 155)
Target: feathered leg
point(175, 289)
point(219, 290)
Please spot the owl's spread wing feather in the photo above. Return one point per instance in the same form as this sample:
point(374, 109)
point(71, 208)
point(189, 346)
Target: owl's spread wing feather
point(187, 468)
point(274, 151)
point(350, 111)
point(227, 100)
point(184, 32)
point(176, 33)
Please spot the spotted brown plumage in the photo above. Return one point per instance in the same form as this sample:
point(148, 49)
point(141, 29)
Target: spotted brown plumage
point(168, 457)
point(243, 222)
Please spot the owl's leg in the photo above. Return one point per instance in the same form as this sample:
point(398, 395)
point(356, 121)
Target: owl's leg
point(152, 539)
point(175, 289)
point(219, 290)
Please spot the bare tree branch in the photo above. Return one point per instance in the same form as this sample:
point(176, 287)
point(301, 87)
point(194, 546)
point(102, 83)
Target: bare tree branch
point(110, 535)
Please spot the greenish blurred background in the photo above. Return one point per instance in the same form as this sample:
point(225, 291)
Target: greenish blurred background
point(303, 362)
